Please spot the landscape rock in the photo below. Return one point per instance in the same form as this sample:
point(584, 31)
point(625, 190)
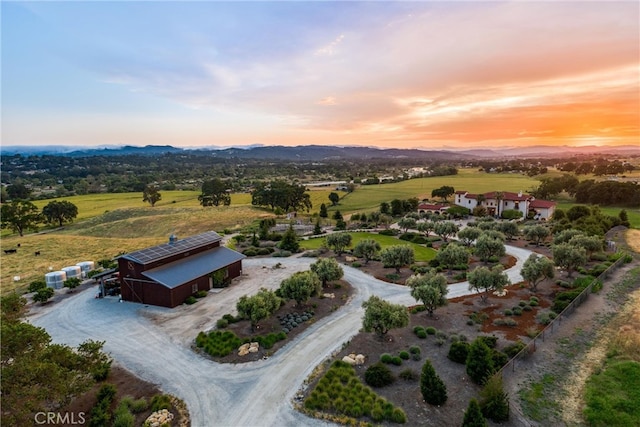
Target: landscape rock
point(351, 259)
point(349, 360)
point(159, 418)
point(331, 295)
point(359, 359)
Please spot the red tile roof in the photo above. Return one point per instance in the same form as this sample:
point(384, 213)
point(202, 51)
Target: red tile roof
point(542, 204)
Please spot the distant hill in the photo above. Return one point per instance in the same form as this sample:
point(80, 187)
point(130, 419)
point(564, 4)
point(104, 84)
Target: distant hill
point(326, 152)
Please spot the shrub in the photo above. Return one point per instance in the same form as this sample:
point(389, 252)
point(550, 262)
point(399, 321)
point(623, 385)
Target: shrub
point(250, 252)
point(414, 349)
point(533, 298)
point(408, 375)
point(527, 308)
point(499, 359)
point(281, 254)
point(494, 402)
point(499, 322)
point(422, 334)
point(404, 355)
point(386, 358)
point(265, 251)
point(431, 330)
point(512, 349)
point(517, 311)
point(356, 265)
point(490, 340)
point(441, 334)
point(160, 401)
point(222, 323)
point(440, 342)
point(534, 303)
point(190, 300)
point(37, 284)
point(201, 294)
point(522, 303)
point(458, 352)
point(378, 375)
point(598, 269)
point(508, 312)
point(396, 360)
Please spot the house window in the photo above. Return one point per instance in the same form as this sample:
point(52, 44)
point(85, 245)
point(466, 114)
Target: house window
point(516, 205)
point(194, 288)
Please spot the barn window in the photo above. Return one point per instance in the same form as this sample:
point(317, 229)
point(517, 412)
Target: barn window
point(194, 288)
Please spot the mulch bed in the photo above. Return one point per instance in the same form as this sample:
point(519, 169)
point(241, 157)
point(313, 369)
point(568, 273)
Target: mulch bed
point(321, 307)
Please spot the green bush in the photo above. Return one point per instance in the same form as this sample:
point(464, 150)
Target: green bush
point(422, 334)
point(499, 359)
point(250, 252)
point(490, 340)
point(527, 308)
point(37, 284)
point(356, 265)
point(122, 416)
point(512, 349)
point(534, 303)
point(190, 300)
point(494, 402)
point(517, 311)
point(499, 322)
point(160, 401)
point(201, 294)
point(396, 360)
point(378, 375)
point(281, 254)
point(598, 269)
point(458, 352)
point(414, 349)
point(432, 387)
point(431, 330)
point(222, 323)
point(479, 364)
point(404, 355)
point(386, 358)
point(508, 312)
point(264, 251)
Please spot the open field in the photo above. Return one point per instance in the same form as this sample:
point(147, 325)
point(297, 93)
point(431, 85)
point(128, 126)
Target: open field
point(369, 197)
point(633, 239)
point(422, 253)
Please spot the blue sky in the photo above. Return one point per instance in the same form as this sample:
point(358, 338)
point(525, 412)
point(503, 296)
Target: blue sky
point(392, 74)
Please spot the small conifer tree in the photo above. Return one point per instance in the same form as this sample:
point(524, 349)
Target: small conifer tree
point(432, 387)
point(473, 416)
point(479, 362)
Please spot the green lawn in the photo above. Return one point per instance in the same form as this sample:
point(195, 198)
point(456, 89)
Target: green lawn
point(422, 253)
point(369, 197)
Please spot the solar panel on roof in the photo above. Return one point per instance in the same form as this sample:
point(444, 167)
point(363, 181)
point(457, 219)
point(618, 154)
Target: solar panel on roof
point(155, 253)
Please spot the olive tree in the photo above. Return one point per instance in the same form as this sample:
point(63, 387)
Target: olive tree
point(301, 286)
point(445, 229)
point(487, 247)
point(367, 249)
point(484, 281)
point(338, 242)
point(381, 316)
point(452, 255)
point(259, 306)
point(568, 257)
point(397, 256)
point(327, 269)
point(430, 289)
point(535, 269)
point(468, 235)
point(536, 233)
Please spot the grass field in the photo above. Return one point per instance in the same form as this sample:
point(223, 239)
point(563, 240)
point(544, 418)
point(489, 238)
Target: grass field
point(421, 253)
point(369, 197)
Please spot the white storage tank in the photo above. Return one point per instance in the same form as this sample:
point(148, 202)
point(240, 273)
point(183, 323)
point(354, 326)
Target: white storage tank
point(73, 271)
point(55, 279)
point(86, 267)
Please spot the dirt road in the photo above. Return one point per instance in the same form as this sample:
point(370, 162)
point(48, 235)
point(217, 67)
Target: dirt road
point(154, 343)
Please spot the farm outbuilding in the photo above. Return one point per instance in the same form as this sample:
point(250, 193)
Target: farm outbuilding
point(167, 274)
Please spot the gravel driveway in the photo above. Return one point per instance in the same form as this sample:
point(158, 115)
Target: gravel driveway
point(154, 343)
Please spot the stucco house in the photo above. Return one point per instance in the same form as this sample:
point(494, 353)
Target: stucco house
point(497, 202)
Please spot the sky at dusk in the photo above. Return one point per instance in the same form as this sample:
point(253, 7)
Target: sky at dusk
point(388, 74)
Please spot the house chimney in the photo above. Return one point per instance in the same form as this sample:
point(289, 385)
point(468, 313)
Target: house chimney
point(520, 193)
point(172, 239)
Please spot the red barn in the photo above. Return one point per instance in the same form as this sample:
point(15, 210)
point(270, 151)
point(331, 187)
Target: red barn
point(168, 274)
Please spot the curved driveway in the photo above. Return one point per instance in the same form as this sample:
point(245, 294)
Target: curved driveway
point(249, 394)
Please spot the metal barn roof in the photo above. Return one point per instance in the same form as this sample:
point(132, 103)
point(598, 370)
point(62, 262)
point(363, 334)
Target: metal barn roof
point(156, 253)
point(190, 268)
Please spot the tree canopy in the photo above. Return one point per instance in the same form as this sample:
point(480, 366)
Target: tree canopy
point(452, 255)
point(151, 195)
point(327, 270)
point(20, 215)
point(381, 316)
point(338, 242)
point(484, 281)
point(60, 212)
point(568, 257)
point(367, 249)
point(535, 269)
point(259, 306)
point(301, 286)
point(445, 229)
point(430, 289)
point(280, 194)
point(487, 247)
point(443, 192)
point(215, 193)
point(397, 256)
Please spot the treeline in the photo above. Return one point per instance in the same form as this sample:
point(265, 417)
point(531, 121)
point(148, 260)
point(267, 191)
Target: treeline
point(604, 193)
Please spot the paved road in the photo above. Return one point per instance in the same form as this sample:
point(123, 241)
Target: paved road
point(250, 394)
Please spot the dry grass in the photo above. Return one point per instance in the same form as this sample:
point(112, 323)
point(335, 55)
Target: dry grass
point(627, 339)
point(632, 236)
